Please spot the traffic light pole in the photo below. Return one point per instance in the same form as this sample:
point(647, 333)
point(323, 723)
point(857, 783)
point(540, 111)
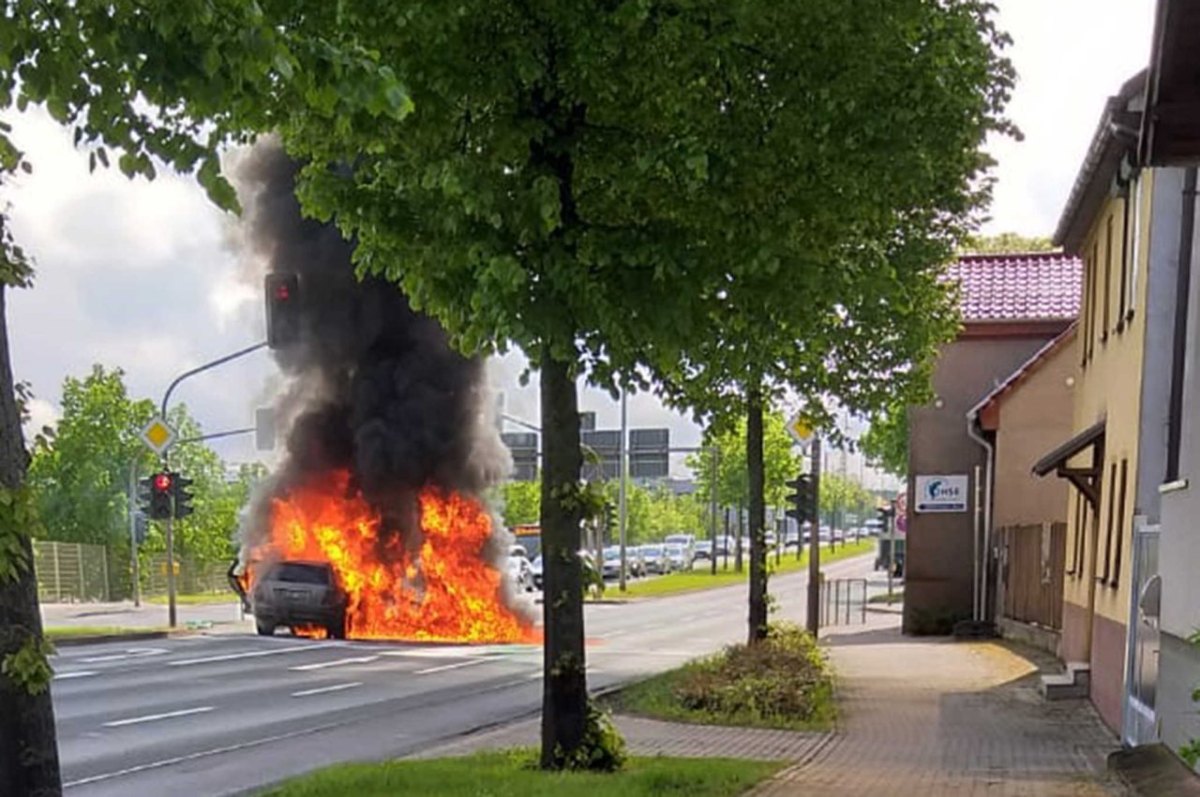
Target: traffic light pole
point(170, 535)
point(814, 544)
point(133, 543)
point(623, 472)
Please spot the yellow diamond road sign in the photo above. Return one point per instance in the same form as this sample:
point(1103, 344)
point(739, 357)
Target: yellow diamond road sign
point(157, 435)
point(800, 431)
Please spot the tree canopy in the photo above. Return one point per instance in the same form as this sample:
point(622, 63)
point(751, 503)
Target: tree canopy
point(886, 440)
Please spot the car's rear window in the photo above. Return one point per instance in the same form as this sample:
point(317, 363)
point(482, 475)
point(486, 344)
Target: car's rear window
point(301, 574)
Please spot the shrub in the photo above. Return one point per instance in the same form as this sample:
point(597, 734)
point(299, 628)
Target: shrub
point(602, 748)
point(786, 677)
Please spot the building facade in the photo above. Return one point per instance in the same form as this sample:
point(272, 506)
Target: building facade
point(1012, 306)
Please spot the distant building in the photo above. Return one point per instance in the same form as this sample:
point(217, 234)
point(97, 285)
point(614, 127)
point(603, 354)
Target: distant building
point(1012, 306)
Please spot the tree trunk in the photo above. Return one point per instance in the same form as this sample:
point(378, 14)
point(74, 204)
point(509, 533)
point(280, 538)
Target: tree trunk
point(758, 542)
point(28, 748)
point(564, 689)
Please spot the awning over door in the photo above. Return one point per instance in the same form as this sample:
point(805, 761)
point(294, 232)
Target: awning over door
point(1085, 479)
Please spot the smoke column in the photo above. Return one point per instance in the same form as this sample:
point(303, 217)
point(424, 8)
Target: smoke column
point(373, 387)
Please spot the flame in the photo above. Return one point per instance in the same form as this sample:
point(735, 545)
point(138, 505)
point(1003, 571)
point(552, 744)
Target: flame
point(311, 631)
point(445, 591)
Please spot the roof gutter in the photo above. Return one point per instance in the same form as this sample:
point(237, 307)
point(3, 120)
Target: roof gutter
point(983, 535)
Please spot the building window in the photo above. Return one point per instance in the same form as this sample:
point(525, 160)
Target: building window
point(1116, 571)
point(1134, 248)
point(1108, 528)
point(1106, 318)
point(1090, 275)
point(1123, 288)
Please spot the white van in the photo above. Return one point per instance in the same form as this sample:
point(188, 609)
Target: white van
point(688, 541)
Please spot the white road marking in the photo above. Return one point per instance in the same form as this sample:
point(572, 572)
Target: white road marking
point(62, 676)
point(614, 634)
point(454, 652)
point(246, 654)
point(321, 665)
point(326, 689)
point(131, 653)
point(183, 712)
point(455, 666)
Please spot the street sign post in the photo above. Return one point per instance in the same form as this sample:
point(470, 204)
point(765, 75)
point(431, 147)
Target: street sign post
point(157, 435)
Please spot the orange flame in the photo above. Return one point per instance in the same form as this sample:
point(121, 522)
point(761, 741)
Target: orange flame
point(443, 592)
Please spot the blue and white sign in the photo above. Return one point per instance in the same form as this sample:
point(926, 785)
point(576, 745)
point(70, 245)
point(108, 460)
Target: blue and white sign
point(941, 493)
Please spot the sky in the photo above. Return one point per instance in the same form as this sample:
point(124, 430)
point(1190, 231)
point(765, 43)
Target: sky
point(145, 276)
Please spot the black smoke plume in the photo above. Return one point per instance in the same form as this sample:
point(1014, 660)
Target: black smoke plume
point(373, 387)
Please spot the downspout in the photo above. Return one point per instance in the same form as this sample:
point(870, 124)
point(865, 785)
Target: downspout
point(974, 433)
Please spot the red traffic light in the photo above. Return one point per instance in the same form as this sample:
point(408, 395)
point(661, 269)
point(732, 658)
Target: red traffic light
point(282, 292)
point(162, 482)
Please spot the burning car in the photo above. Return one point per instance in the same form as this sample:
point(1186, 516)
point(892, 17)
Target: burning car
point(305, 596)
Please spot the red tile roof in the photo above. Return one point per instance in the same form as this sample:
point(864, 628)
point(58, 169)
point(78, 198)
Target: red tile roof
point(1039, 286)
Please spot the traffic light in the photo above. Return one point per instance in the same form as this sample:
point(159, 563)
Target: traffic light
point(801, 498)
point(157, 491)
point(141, 527)
point(610, 522)
point(183, 497)
point(283, 310)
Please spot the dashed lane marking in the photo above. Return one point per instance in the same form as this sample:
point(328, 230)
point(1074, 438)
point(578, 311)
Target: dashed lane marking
point(183, 712)
point(324, 690)
point(321, 665)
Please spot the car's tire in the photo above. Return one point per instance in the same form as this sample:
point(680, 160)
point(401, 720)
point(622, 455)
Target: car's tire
point(337, 629)
point(264, 627)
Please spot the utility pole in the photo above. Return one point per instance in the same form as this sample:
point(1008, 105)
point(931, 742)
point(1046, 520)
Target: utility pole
point(814, 547)
point(623, 472)
point(716, 471)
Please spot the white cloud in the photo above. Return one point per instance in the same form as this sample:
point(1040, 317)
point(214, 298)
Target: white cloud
point(1070, 55)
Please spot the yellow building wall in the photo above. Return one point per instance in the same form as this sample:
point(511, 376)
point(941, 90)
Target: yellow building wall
point(1109, 381)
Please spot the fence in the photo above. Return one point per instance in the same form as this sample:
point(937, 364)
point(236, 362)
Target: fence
point(192, 577)
point(1032, 559)
point(71, 572)
point(843, 601)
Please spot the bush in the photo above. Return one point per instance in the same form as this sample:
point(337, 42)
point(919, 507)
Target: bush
point(602, 748)
point(784, 679)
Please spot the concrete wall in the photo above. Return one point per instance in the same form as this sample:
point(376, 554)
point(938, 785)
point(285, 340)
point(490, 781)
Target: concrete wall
point(1035, 412)
point(938, 564)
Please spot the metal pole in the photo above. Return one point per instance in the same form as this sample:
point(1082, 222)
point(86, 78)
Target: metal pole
point(975, 558)
point(716, 471)
point(890, 519)
point(624, 474)
point(133, 545)
point(170, 533)
point(814, 549)
point(201, 368)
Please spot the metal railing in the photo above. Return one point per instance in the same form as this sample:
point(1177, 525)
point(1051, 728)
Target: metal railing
point(843, 601)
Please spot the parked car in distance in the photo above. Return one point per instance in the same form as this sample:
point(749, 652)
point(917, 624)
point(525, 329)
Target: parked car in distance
point(677, 556)
point(725, 545)
point(297, 593)
point(612, 562)
point(874, 527)
point(656, 559)
point(688, 542)
point(704, 549)
point(520, 569)
point(635, 560)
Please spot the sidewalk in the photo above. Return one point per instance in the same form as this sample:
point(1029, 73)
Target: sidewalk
point(919, 716)
point(123, 614)
point(935, 717)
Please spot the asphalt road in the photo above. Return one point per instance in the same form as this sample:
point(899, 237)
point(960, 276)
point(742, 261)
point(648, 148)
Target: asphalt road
point(225, 714)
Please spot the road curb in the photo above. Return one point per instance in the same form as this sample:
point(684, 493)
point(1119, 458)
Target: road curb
point(132, 636)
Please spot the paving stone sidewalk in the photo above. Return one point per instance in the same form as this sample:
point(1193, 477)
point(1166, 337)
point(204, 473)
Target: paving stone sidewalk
point(926, 717)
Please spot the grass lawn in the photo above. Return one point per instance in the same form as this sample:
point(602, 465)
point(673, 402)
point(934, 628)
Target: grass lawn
point(511, 774)
point(54, 632)
point(788, 686)
point(200, 599)
point(704, 579)
point(897, 596)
